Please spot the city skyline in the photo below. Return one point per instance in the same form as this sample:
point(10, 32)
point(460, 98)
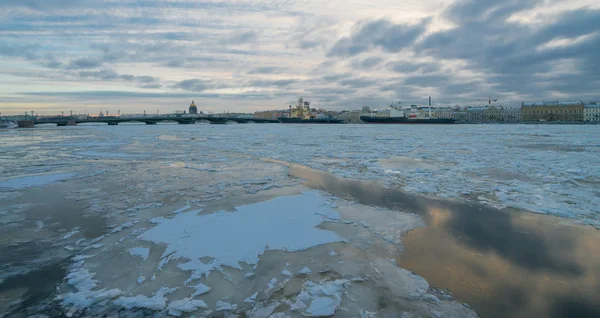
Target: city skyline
point(256, 55)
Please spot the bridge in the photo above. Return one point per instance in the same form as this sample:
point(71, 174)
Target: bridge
point(149, 120)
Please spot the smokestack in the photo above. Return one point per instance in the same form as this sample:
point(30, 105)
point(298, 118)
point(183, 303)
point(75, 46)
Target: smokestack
point(429, 101)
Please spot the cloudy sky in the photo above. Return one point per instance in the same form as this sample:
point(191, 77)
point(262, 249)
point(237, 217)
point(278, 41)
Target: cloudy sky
point(245, 55)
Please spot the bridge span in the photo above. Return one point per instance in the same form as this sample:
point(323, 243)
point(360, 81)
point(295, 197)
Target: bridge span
point(149, 120)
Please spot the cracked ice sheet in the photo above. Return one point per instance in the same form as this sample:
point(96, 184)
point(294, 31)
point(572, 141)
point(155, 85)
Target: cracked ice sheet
point(284, 223)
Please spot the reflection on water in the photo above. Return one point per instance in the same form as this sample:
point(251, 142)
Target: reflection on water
point(503, 263)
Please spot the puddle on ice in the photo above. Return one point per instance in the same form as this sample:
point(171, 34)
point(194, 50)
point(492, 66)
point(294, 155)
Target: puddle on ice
point(300, 254)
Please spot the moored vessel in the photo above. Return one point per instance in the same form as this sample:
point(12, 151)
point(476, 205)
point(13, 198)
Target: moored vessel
point(303, 114)
point(409, 115)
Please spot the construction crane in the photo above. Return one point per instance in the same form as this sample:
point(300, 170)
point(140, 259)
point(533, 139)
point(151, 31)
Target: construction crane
point(489, 100)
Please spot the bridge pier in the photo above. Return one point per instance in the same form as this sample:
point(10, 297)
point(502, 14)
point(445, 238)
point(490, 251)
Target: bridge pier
point(150, 123)
point(113, 123)
point(26, 123)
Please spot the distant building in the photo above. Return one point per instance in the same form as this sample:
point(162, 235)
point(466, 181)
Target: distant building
point(442, 112)
point(350, 117)
point(272, 114)
point(553, 111)
point(591, 112)
point(193, 109)
point(476, 114)
point(511, 114)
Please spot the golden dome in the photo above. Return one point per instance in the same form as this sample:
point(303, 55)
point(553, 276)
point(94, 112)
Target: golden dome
point(192, 104)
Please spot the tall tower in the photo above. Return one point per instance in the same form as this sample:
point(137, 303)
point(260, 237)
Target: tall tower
point(193, 108)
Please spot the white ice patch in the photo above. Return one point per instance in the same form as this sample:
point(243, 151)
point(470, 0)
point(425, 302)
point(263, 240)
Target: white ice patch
point(142, 252)
point(285, 223)
point(177, 307)
point(286, 273)
point(34, 181)
point(156, 302)
point(221, 305)
point(271, 284)
point(252, 298)
point(305, 271)
point(200, 289)
point(322, 299)
point(123, 226)
point(68, 235)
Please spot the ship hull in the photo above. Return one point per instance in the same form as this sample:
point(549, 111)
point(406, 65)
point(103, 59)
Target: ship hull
point(404, 120)
point(309, 121)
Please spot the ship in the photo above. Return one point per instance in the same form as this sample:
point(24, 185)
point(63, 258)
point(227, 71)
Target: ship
point(302, 114)
point(409, 115)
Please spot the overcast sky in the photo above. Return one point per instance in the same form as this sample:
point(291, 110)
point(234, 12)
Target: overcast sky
point(244, 55)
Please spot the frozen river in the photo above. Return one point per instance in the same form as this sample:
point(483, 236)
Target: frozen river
point(300, 220)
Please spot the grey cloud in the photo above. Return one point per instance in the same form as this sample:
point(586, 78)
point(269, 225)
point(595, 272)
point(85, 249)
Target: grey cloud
point(308, 44)
point(155, 85)
point(432, 80)
point(110, 75)
point(241, 38)
point(331, 91)
point(266, 70)
point(268, 83)
point(105, 75)
point(357, 82)
point(370, 62)
point(514, 64)
point(335, 77)
point(118, 94)
point(383, 34)
point(193, 85)
point(407, 67)
point(84, 63)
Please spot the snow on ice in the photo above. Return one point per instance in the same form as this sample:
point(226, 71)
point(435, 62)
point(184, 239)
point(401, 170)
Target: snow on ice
point(142, 252)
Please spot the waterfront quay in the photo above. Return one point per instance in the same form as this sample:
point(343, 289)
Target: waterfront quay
point(546, 112)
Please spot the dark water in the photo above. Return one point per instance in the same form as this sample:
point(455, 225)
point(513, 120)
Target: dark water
point(39, 257)
point(502, 263)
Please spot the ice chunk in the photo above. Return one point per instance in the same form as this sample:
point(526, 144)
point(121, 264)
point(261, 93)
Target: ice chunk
point(200, 289)
point(305, 271)
point(271, 284)
point(68, 235)
point(82, 257)
point(177, 307)
point(221, 306)
point(141, 279)
point(156, 302)
point(332, 253)
point(187, 207)
point(251, 299)
point(324, 298)
point(322, 306)
point(142, 252)
point(401, 282)
point(123, 226)
point(286, 273)
point(39, 225)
